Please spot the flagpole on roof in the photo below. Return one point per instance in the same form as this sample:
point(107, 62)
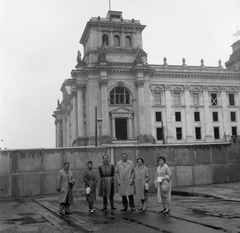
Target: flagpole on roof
point(109, 4)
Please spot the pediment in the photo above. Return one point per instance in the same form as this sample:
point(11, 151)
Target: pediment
point(121, 110)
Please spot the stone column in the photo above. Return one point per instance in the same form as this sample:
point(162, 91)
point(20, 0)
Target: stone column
point(207, 117)
point(130, 135)
point(68, 129)
point(80, 123)
point(225, 114)
point(64, 121)
point(74, 124)
point(123, 40)
point(238, 112)
point(169, 127)
point(103, 82)
point(58, 132)
point(140, 94)
point(188, 114)
point(111, 43)
point(113, 129)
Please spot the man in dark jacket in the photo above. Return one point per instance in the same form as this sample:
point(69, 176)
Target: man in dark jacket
point(106, 188)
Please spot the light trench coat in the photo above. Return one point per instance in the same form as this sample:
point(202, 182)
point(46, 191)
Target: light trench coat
point(141, 176)
point(164, 172)
point(63, 184)
point(125, 173)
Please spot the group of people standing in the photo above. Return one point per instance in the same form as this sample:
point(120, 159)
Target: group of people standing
point(130, 179)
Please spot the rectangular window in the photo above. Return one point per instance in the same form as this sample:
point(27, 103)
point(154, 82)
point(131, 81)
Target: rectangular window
point(195, 98)
point(177, 98)
point(198, 133)
point(233, 116)
point(178, 116)
point(158, 116)
point(231, 99)
point(179, 133)
point(157, 98)
point(216, 132)
point(234, 131)
point(215, 116)
point(159, 133)
point(196, 116)
point(214, 100)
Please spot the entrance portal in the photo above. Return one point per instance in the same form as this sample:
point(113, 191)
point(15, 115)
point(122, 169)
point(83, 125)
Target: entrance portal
point(121, 128)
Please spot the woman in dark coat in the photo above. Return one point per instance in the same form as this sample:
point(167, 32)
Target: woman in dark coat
point(106, 187)
point(90, 181)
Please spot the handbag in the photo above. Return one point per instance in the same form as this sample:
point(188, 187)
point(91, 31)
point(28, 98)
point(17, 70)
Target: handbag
point(88, 190)
point(164, 186)
point(146, 186)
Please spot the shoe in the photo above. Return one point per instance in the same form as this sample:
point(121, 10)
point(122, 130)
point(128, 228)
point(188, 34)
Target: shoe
point(113, 208)
point(167, 211)
point(104, 209)
point(91, 211)
point(140, 209)
point(68, 212)
point(124, 209)
point(61, 213)
point(143, 210)
point(162, 211)
point(132, 209)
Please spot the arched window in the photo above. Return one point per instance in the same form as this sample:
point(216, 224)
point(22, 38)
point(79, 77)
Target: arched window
point(105, 40)
point(128, 41)
point(116, 41)
point(119, 95)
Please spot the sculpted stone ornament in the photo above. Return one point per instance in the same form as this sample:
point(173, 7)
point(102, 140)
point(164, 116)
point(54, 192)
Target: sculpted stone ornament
point(80, 62)
point(139, 54)
point(165, 61)
point(139, 83)
point(102, 54)
point(103, 82)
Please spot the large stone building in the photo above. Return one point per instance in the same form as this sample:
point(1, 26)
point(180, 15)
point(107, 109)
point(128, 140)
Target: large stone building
point(137, 102)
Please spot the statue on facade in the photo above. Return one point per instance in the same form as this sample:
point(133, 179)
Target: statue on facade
point(80, 62)
point(139, 54)
point(102, 54)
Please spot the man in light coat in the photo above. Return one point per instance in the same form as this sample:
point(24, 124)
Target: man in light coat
point(65, 183)
point(125, 175)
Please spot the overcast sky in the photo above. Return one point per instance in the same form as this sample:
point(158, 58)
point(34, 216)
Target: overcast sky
point(39, 40)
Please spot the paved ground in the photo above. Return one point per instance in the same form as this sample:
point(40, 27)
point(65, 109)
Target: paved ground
point(207, 208)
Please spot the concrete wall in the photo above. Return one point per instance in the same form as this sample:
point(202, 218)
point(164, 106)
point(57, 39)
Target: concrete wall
point(33, 172)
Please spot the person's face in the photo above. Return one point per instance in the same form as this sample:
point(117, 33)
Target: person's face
point(66, 166)
point(161, 161)
point(124, 157)
point(105, 159)
point(139, 162)
point(89, 165)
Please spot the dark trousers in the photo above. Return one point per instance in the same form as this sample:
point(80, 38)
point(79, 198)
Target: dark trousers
point(105, 201)
point(125, 201)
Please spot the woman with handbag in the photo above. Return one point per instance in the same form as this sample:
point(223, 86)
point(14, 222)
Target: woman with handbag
point(141, 179)
point(163, 184)
point(90, 185)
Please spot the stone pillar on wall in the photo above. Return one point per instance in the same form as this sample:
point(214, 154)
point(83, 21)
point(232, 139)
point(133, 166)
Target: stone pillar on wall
point(64, 129)
point(188, 114)
point(68, 128)
point(169, 131)
point(111, 42)
point(208, 119)
point(74, 124)
point(130, 134)
point(80, 114)
point(58, 132)
point(238, 104)
point(139, 83)
point(225, 113)
point(104, 111)
point(113, 129)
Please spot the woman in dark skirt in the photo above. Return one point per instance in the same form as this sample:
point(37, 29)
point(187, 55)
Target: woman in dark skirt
point(91, 182)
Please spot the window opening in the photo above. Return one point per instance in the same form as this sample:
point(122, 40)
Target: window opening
point(119, 95)
point(216, 132)
point(179, 133)
point(178, 116)
point(233, 116)
point(231, 99)
point(198, 133)
point(196, 116)
point(158, 116)
point(214, 100)
point(215, 116)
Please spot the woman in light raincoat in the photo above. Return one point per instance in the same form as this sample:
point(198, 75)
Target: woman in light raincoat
point(141, 175)
point(163, 185)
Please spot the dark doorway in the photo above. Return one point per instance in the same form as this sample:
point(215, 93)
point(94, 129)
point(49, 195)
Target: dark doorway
point(121, 128)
